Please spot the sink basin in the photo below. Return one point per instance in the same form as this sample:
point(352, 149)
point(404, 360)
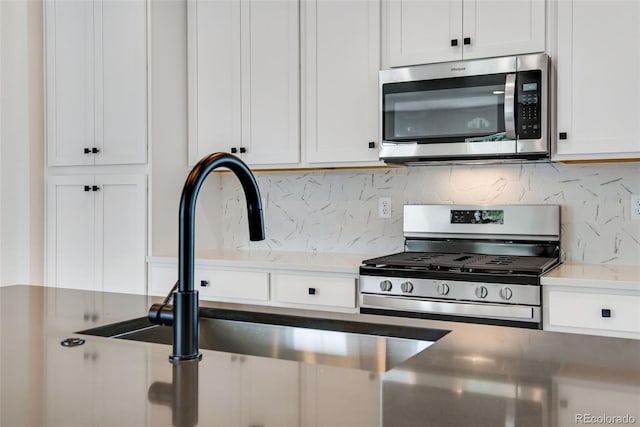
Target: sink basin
point(355, 345)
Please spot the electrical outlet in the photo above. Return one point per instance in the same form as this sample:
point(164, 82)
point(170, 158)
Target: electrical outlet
point(384, 207)
point(634, 201)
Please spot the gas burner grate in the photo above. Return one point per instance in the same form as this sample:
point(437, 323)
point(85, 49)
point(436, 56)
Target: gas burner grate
point(466, 263)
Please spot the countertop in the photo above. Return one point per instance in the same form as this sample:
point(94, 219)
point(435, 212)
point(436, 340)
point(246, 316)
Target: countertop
point(346, 263)
point(602, 276)
point(475, 375)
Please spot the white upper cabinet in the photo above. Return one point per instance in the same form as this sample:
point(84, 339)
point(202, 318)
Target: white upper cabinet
point(244, 80)
point(598, 66)
point(96, 82)
point(340, 64)
point(428, 31)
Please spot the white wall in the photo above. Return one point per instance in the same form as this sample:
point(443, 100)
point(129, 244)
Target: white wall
point(21, 143)
point(169, 136)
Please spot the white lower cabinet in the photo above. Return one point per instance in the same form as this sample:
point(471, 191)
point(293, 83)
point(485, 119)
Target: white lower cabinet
point(228, 285)
point(96, 232)
point(592, 311)
point(314, 291)
point(276, 287)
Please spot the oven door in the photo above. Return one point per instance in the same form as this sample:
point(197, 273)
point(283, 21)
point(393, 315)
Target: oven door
point(523, 316)
point(472, 109)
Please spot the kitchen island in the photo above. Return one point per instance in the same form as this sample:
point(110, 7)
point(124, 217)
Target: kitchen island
point(474, 375)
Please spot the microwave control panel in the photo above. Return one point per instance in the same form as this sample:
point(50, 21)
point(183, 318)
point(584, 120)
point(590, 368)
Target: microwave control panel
point(529, 105)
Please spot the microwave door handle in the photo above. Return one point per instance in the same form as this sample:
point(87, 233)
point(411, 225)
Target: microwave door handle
point(509, 106)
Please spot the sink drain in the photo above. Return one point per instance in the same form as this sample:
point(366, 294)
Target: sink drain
point(71, 342)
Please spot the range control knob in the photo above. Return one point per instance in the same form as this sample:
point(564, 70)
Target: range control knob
point(443, 288)
point(406, 287)
point(481, 292)
point(506, 293)
point(386, 285)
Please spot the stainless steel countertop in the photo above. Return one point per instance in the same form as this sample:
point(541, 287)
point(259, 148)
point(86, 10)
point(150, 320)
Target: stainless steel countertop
point(475, 375)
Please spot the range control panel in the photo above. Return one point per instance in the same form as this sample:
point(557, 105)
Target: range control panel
point(479, 216)
point(528, 108)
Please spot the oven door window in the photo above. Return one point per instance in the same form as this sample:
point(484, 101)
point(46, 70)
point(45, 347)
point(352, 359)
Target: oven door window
point(464, 109)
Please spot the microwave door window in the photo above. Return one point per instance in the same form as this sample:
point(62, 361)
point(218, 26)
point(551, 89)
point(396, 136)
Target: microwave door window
point(471, 113)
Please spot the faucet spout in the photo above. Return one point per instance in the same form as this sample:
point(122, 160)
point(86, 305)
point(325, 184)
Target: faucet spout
point(185, 310)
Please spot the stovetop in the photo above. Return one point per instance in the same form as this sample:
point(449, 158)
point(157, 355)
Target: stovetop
point(464, 263)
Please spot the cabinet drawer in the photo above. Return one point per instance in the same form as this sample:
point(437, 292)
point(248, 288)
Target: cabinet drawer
point(315, 290)
point(229, 284)
point(585, 310)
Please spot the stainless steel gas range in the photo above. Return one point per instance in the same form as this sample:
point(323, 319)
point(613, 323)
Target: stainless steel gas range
point(479, 264)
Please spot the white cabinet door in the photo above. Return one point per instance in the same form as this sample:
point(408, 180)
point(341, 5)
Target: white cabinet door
point(244, 80)
point(71, 232)
point(121, 82)
point(429, 31)
point(502, 27)
point(214, 76)
point(423, 31)
point(96, 82)
point(598, 95)
point(96, 232)
point(69, 80)
point(341, 59)
point(270, 82)
point(120, 246)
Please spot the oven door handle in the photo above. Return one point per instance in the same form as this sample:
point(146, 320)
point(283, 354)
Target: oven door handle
point(509, 106)
point(493, 311)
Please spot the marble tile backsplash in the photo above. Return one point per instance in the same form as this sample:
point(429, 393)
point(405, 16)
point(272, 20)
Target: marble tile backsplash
point(337, 210)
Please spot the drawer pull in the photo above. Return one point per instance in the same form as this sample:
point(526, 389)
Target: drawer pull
point(606, 312)
point(204, 283)
point(312, 291)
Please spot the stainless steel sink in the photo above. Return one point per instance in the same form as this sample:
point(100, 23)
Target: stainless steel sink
point(355, 345)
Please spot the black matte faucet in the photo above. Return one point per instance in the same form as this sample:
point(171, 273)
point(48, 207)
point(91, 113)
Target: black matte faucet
point(184, 312)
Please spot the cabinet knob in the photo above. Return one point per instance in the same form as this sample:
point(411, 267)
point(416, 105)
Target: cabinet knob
point(563, 135)
point(454, 42)
point(606, 312)
point(234, 150)
point(312, 291)
point(95, 150)
point(372, 144)
point(95, 188)
point(467, 40)
point(87, 188)
point(204, 283)
point(87, 150)
point(243, 150)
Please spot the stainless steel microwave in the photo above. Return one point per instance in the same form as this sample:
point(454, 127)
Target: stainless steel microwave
point(478, 110)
